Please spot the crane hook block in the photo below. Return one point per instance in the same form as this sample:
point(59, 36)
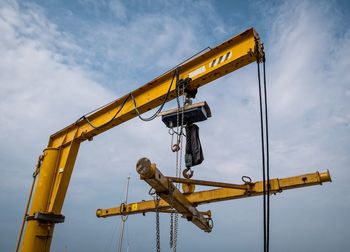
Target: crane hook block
point(193, 113)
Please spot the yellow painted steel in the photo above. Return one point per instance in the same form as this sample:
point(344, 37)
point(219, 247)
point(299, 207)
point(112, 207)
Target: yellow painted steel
point(188, 182)
point(169, 193)
point(241, 51)
point(41, 232)
point(223, 194)
point(64, 170)
point(49, 194)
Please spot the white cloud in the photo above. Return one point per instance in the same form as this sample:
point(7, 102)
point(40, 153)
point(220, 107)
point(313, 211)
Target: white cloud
point(156, 36)
point(37, 89)
point(43, 89)
point(307, 63)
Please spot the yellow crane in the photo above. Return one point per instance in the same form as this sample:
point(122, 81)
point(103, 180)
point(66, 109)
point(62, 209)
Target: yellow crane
point(56, 163)
point(186, 202)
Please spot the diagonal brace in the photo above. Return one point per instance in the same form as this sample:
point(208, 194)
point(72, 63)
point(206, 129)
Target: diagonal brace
point(170, 194)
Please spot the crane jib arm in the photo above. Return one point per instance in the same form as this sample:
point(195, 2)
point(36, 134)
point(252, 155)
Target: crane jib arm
point(60, 155)
point(213, 64)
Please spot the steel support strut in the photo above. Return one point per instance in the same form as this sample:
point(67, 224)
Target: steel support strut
point(45, 210)
point(170, 194)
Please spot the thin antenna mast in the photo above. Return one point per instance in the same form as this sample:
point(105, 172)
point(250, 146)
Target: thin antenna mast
point(124, 217)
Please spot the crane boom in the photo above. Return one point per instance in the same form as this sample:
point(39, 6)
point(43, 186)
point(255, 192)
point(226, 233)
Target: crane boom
point(231, 55)
point(60, 155)
point(186, 203)
point(223, 193)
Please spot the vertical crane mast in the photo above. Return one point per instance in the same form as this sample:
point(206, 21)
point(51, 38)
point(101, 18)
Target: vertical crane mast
point(61, 152)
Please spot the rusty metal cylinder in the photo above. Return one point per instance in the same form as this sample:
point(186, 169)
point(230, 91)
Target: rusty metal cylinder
point(325, 176)
point(145, 168)
point(188, 188)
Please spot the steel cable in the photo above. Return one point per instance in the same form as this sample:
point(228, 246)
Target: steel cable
point(262, 156)
point(265, 154)
point(267, 163)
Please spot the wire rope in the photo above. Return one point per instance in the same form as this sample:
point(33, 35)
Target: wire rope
point(264, 153)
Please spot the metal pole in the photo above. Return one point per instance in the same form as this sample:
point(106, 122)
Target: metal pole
point(123, 217)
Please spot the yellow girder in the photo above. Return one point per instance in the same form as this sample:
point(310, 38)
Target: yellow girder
point(51, 188)
point(222, 194)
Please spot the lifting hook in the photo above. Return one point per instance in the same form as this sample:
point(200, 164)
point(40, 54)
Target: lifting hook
point(187, 173)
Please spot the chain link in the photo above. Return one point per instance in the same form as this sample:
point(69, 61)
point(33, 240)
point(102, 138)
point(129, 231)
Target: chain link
point(176, 227)
point(178, 167)
point(156, 202)
point(171, 238)
point(177, 147)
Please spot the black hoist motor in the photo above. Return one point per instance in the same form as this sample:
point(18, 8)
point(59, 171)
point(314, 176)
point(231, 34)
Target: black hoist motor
point(189, 116)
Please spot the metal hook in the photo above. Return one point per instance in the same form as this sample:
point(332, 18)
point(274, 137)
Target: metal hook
point(187, 173)
point(246, 179)
point(175, 147)
point(152, 191)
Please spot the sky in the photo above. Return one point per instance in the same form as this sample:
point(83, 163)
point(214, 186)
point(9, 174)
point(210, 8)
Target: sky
point(62, 59)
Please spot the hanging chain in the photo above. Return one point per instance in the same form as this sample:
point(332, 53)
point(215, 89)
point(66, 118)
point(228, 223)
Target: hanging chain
point(174, 148)
point(156, 202)
point(182, 127)
point(175, 225)
point(171, 235)
point(171, 238)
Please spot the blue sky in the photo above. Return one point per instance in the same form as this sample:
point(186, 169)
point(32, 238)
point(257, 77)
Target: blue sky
point(61, 59)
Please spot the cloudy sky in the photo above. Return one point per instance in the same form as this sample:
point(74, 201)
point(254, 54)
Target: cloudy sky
point(61, 59)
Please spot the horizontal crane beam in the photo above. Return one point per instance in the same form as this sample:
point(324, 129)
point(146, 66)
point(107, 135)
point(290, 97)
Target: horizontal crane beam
point(222, 194)
point(231, 55)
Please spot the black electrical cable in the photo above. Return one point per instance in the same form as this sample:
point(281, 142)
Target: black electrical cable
point(160, 107)
point(265, 154)
point(267, 163)
point(263, 157)
point(176, 73)
point(85, 117)
point(106, 123)
point(208, 48)
point(122, 106)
